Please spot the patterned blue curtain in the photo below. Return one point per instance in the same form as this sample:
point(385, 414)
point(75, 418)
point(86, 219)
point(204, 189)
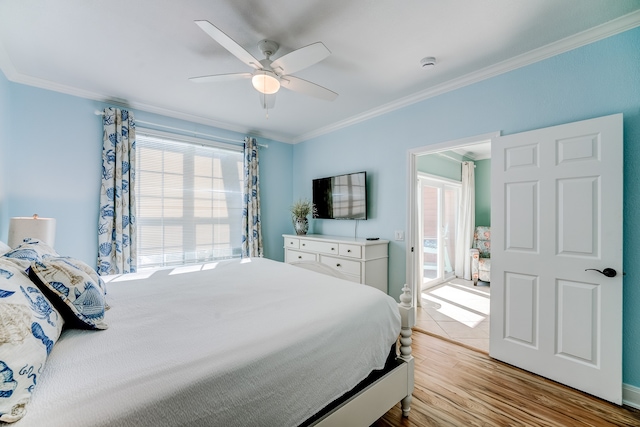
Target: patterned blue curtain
point(251, 230)
point(116, 226)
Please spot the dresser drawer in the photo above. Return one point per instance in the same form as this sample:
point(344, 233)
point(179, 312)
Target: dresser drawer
point(299, 256)
point(320, 247)
point(342, 265)
point(351, 251)
point(357, 260)
point(291, 243)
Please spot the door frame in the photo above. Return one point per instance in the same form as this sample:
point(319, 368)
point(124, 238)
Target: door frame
point(412, 262)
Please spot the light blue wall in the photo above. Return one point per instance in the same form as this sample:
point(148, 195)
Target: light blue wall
point(483, 192)
point(54, 161)
point(566, 88)
point(4, 138)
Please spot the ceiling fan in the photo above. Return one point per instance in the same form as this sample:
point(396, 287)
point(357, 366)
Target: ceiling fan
point(269, 76)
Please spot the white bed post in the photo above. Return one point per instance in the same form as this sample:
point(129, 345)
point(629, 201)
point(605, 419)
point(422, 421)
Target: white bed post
point(408, 319)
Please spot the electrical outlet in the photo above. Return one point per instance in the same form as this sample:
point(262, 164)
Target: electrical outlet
point(399, 235)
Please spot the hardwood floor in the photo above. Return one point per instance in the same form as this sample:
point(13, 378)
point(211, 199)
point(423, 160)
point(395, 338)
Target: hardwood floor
point(459, 386)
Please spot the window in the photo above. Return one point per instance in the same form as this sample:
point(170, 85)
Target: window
point(439, 202)
point(188, 199)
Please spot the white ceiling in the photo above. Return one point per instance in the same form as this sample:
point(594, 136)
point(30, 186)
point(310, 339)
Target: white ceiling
point(141, 53)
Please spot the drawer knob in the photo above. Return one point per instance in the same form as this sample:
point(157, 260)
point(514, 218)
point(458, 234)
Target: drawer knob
point(338, 265)
point(304, 244)
point(299, 256)
point(348, 250)
point(333, 249)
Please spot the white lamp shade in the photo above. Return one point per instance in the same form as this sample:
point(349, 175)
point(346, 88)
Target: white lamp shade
point(43, 229)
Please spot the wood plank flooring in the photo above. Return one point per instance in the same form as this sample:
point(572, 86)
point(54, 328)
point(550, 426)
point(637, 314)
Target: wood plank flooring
point(458, 386)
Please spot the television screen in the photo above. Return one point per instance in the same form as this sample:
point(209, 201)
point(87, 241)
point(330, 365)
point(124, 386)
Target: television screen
point(341, 197)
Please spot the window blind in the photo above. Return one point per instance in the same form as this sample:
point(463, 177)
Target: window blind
point(188, 199)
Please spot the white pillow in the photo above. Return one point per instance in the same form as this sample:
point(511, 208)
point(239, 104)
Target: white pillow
point(29, 327)
point(28, 251)
point(4, 248)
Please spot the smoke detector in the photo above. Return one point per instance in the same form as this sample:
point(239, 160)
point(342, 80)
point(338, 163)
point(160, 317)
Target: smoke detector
point(428, 62)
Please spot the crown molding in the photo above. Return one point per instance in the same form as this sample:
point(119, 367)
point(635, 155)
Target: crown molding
point(591, 35)
point(12, 75)
point(583, 38)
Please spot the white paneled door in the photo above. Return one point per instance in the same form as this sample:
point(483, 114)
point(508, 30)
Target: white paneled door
point(556, 220)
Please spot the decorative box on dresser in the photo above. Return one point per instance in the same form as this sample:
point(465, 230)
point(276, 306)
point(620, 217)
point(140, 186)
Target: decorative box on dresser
point(360, 260)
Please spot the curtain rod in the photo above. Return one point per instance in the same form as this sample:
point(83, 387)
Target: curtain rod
point(220, 138)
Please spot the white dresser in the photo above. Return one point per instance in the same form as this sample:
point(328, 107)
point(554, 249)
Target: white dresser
point(360, 260)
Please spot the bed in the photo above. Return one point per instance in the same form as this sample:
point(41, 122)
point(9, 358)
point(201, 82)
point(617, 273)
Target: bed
point(248, 342)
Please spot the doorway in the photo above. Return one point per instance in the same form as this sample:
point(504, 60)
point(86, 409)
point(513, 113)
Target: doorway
point(557, 196)
point(448, 306)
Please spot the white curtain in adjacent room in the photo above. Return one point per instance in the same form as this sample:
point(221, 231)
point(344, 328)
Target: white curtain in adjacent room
point(116, 226)
point(251, 228)
point(466, 222)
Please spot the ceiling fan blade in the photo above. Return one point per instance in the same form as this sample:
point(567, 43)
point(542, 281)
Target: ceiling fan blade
point(307, 88)
point(267, 101)
point(216, 78)
point(229, 44)
point(300, 58)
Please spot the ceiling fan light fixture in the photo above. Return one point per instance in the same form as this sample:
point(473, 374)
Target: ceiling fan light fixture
point(266, 82)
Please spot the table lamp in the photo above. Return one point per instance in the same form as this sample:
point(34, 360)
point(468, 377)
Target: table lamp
point(43, 229)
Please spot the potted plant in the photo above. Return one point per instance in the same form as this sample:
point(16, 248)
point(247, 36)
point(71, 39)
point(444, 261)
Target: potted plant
point(300, 210)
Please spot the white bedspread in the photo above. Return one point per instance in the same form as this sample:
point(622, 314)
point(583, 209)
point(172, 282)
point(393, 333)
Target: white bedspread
point(254, 342)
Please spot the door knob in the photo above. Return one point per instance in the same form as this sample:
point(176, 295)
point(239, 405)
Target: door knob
point(609, 272)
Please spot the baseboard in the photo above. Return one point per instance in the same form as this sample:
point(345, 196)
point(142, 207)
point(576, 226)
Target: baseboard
point(631, 396)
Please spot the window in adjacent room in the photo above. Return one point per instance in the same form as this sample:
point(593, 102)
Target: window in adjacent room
point(189, 199)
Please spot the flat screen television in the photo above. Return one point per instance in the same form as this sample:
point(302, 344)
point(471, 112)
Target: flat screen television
point(341, 196)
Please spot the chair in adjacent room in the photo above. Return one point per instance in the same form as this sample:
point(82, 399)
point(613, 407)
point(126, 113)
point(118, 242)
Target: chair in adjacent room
point(481, 255)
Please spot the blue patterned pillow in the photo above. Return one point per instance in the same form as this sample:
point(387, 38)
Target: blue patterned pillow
point(74, 289)
point(28, 251)
point(29, 327)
